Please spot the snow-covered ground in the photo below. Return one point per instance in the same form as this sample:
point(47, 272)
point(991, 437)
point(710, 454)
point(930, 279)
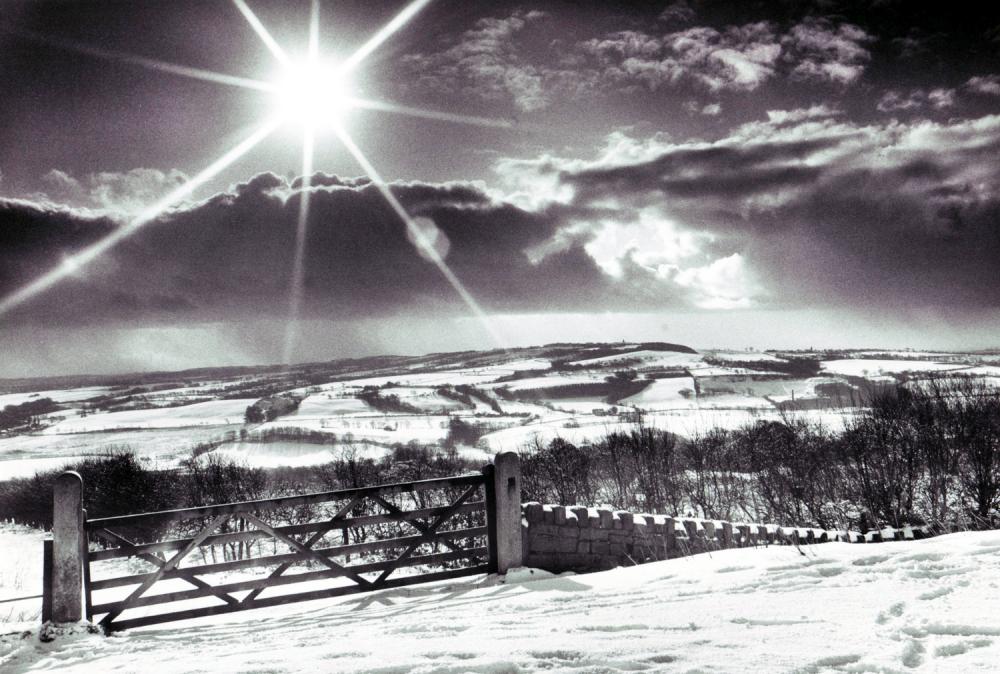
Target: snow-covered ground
point(861, 367)
point(919, 606)
point(746, 356)
point(583, 428)
point(67, 395)
point(23, 455)
point(211, 413)
point(644, 358)
point(20, 575)
point(665, 394)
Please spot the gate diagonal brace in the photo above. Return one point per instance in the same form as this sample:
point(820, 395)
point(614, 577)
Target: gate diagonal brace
point(313, 540)
point(429, 534)
point(186, 574)
point(416, 524)
point(167, 566)
point(303, 550)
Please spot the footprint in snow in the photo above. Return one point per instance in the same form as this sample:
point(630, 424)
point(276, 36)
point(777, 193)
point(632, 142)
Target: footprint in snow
point(959, 647)
point(894, 611)
point(913, 654)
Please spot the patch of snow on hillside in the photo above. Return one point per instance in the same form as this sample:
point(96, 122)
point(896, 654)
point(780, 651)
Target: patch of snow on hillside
point(560, 379)
point(644, 358)
point(923, 605)
point(211, 413)
point(665, 394)
point(290, 453)
point(68, 395)
point(746, 356)
point(861, 367)
point(23, 455)
point(326, 405)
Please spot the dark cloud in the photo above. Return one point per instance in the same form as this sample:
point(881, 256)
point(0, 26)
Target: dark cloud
point(819, 212)
point(230, 256)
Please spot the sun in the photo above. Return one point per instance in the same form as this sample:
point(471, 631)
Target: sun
point(313, 93)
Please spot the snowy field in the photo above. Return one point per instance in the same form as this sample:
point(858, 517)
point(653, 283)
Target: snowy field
point(644, 358)
point(211, 413)
point(23, 455)
point(919, 606)
point(862, 367)
point(165, 436)
point(68, 395)
point(583, 428)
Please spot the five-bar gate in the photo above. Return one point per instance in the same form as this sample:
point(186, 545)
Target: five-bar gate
point(238, 556)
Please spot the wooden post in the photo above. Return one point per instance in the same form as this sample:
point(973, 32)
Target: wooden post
point(489, 485)
point(67, 547)
point(46, 580)
point(507, 493)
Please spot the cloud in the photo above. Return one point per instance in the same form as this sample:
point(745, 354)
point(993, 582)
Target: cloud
point(816, 111)
point(894, 101)
point(735, 58)
point(819, 211)
point(229, 257)
point(484, 62)
point(711, 110)
point(988, 85)
point(679, 12)
point(116, 192)
point(738, 58)
point(823, 51)
point(492, 61)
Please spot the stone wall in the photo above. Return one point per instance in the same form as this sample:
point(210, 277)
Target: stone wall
point(576, 538)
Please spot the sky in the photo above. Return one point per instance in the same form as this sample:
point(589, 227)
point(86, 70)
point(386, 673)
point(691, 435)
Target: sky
point(488, 174)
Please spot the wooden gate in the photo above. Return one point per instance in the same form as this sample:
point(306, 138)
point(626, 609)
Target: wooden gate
point(388, 536)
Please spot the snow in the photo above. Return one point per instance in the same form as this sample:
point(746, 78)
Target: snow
point(56, 395)
point(927, 606)
point(20, 575)
point(325, 404)
point(561, 379)
point(287, 453)
point(22, 455)
point(213, 412)
point(861, 367)
point(665, 394)
point(746, 356)
point(732, 412)
point(383, 428)
point(645, 358)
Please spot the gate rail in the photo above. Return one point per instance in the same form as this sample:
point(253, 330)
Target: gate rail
point(470, 533)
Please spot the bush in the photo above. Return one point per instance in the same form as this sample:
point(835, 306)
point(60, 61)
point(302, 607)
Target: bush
point(642, 469)
point(924, 453)
point(115, 483)
point(558, 473)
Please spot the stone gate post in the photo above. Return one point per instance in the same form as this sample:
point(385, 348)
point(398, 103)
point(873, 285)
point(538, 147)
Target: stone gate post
point(66, 589)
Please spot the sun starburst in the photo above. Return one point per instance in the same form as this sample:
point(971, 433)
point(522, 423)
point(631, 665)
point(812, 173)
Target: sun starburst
point(315, 94)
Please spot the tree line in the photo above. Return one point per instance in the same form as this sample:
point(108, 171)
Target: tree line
point(927, 453)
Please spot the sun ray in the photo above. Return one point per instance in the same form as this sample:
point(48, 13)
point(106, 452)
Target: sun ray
point(384, 33)
point(262, 32)
point(418, 236)
point(305, 193)
point(152, 64)
point(73, 263)
point(314, 30)
point(368, 104)
point(298, 261)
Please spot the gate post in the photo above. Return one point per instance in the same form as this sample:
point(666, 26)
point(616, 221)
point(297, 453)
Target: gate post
point(67, 548)
point(507, 492)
